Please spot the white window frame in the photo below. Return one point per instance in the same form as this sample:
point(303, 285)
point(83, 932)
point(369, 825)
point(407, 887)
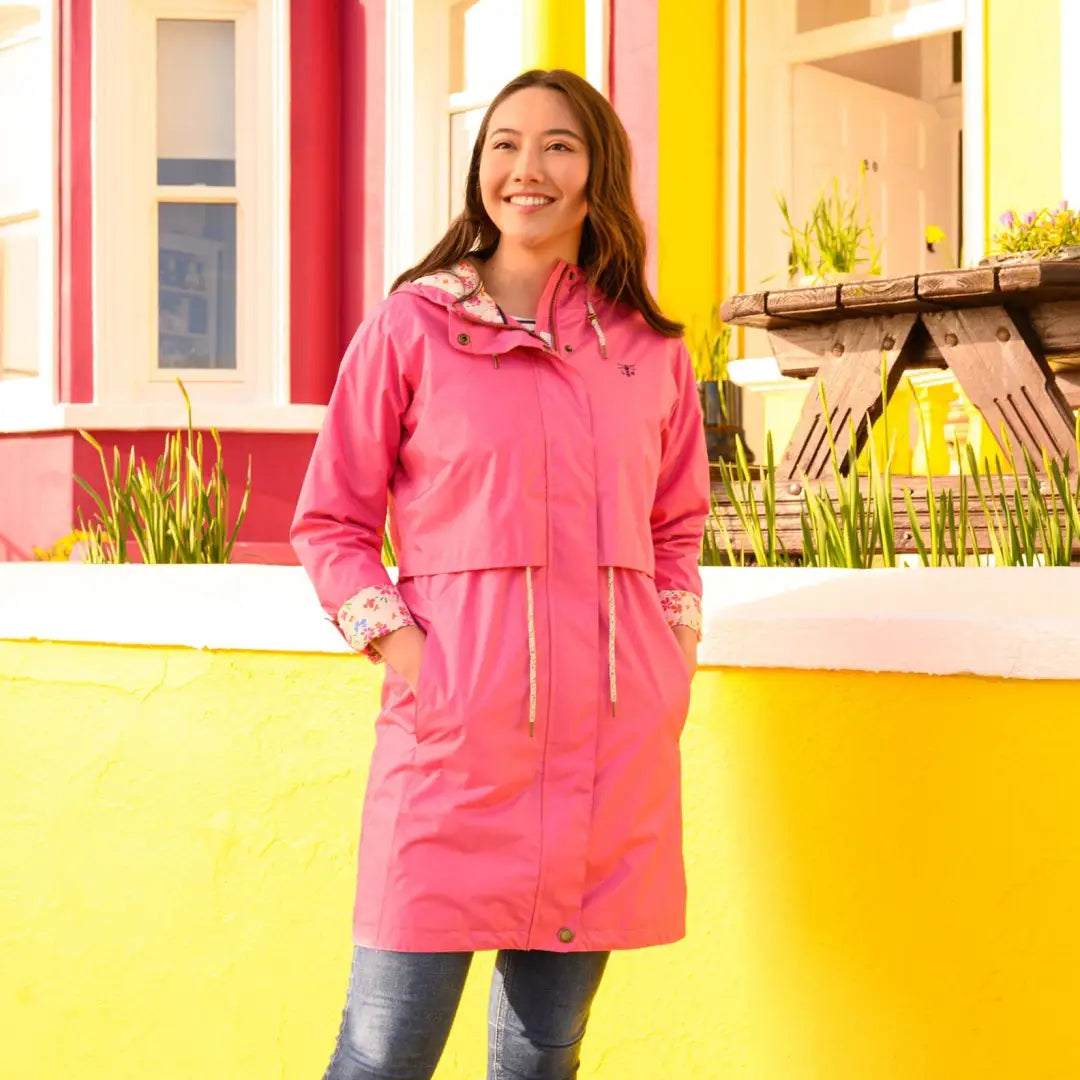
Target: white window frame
point(765, 68)
point(130, 391)
point(35, 395)
point(418, 110)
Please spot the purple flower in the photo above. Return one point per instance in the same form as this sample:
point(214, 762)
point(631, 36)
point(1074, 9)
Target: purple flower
point(1063, 205)
point(1008, 219)
point(1029, 217)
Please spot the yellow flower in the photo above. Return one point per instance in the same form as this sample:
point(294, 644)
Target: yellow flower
point(934, 234)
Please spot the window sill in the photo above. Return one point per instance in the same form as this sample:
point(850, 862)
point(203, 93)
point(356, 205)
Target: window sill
point(150, 417)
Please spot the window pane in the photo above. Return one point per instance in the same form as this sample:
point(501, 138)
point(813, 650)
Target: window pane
point(196, 285)
point(196, 102)
point(19, 295)
point(485, 44)
point(25, 126)
point(464, 128)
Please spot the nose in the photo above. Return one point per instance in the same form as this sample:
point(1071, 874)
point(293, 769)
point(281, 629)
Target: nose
point(528, 165)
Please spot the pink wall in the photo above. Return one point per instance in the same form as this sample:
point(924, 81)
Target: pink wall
point(336, 209)
point(363, 134)
point(634, 91)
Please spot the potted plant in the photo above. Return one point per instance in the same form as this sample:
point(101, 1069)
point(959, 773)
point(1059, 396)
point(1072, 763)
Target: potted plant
point(1038, 234)
point(709, 347)
point(836, 243)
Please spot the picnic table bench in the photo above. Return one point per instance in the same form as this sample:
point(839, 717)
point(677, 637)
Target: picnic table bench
point(1008, 332)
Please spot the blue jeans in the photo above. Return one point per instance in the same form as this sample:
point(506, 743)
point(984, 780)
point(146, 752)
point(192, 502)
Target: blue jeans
point(401, 1005)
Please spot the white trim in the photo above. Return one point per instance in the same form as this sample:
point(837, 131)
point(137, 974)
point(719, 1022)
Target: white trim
point(417, 174)
point(1016, 623)
point(1070, 98)
point(127, 195)
point(597, 43)
point(39, 390)
point(398, 241)
point(34, 417)
point(920, 21)
point(974, 91)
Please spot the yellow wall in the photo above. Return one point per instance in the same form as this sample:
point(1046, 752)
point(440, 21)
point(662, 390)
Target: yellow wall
point(884, 875)
point(1023, 47)
point(554, 34)
point(690, 254)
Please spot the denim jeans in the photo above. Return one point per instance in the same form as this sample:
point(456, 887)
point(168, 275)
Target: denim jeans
point(400, 1007)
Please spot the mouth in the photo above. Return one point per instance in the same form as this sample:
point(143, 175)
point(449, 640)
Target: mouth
point(530, 202)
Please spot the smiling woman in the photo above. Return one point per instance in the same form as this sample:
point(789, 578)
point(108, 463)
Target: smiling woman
point(535, 417)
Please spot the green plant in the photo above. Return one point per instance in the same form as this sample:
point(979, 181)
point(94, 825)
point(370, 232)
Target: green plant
point(1032, 520)
point(838, 237)
point(765, 542)
point(173, 512)
point(1041, 232)
point(709, 348)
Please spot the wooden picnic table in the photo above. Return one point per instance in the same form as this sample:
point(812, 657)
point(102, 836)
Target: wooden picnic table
point(1008, 332)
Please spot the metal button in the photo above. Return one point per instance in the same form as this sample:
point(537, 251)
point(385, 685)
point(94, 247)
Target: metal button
point(569, 348)
point(566, 935)
point(463, 339)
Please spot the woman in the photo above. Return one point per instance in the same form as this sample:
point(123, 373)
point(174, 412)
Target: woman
point(533, 420)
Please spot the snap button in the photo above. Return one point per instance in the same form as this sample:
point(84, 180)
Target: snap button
point(569, 348)
point(566, 935)
point(571, 275)
point(463, 339)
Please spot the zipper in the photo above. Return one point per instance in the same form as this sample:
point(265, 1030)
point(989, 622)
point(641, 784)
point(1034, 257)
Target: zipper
point(551, 313)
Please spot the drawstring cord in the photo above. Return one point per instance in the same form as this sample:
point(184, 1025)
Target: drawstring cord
point(532, 644)
point(594, 322)
point(532, 652)
point(611, 633)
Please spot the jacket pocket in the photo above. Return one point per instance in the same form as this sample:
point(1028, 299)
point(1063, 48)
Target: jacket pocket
point(424, 676)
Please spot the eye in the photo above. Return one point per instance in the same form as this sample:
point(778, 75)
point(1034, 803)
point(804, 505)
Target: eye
point(502, 144)
point(560, 146)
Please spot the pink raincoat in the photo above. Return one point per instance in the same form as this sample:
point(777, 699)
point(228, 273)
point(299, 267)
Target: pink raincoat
point(547, 495)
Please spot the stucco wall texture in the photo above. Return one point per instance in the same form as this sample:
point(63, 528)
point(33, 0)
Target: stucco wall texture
point(884, 875)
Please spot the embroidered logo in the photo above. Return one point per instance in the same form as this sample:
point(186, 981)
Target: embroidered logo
point(628, 369)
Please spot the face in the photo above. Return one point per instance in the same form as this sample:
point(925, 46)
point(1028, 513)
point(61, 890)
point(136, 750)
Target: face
point(534, 166)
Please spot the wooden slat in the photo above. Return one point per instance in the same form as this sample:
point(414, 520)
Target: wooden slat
point(1004, 378)
point(957, 285)
point(799, 350)
point(850, 375)
point(813, 301)
point(790, 500)
point(738, 309)
point(1046, 275)
point(1057, 324)
point(880, 294)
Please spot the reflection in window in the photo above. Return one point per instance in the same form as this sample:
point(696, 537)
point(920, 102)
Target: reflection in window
point(196, 102)
point(197, 285)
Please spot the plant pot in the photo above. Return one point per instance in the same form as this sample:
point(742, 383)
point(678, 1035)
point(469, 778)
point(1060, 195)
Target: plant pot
point(1066, 254)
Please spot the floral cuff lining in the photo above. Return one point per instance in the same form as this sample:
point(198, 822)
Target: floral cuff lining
point(372, 613)
point(681, 608)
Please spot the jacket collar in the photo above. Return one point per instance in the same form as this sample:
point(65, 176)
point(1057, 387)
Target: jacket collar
point(460, 286)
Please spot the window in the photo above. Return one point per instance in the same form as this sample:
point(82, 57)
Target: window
point(485, 54)
point(196, 160)
point(191, 223)
point(26, 201)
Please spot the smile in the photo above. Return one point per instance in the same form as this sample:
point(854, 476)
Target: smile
point(530, 200)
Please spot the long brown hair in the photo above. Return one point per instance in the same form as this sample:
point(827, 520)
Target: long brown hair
point(612, 251)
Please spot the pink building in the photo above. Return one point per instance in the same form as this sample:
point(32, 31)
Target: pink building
point(206, 189)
